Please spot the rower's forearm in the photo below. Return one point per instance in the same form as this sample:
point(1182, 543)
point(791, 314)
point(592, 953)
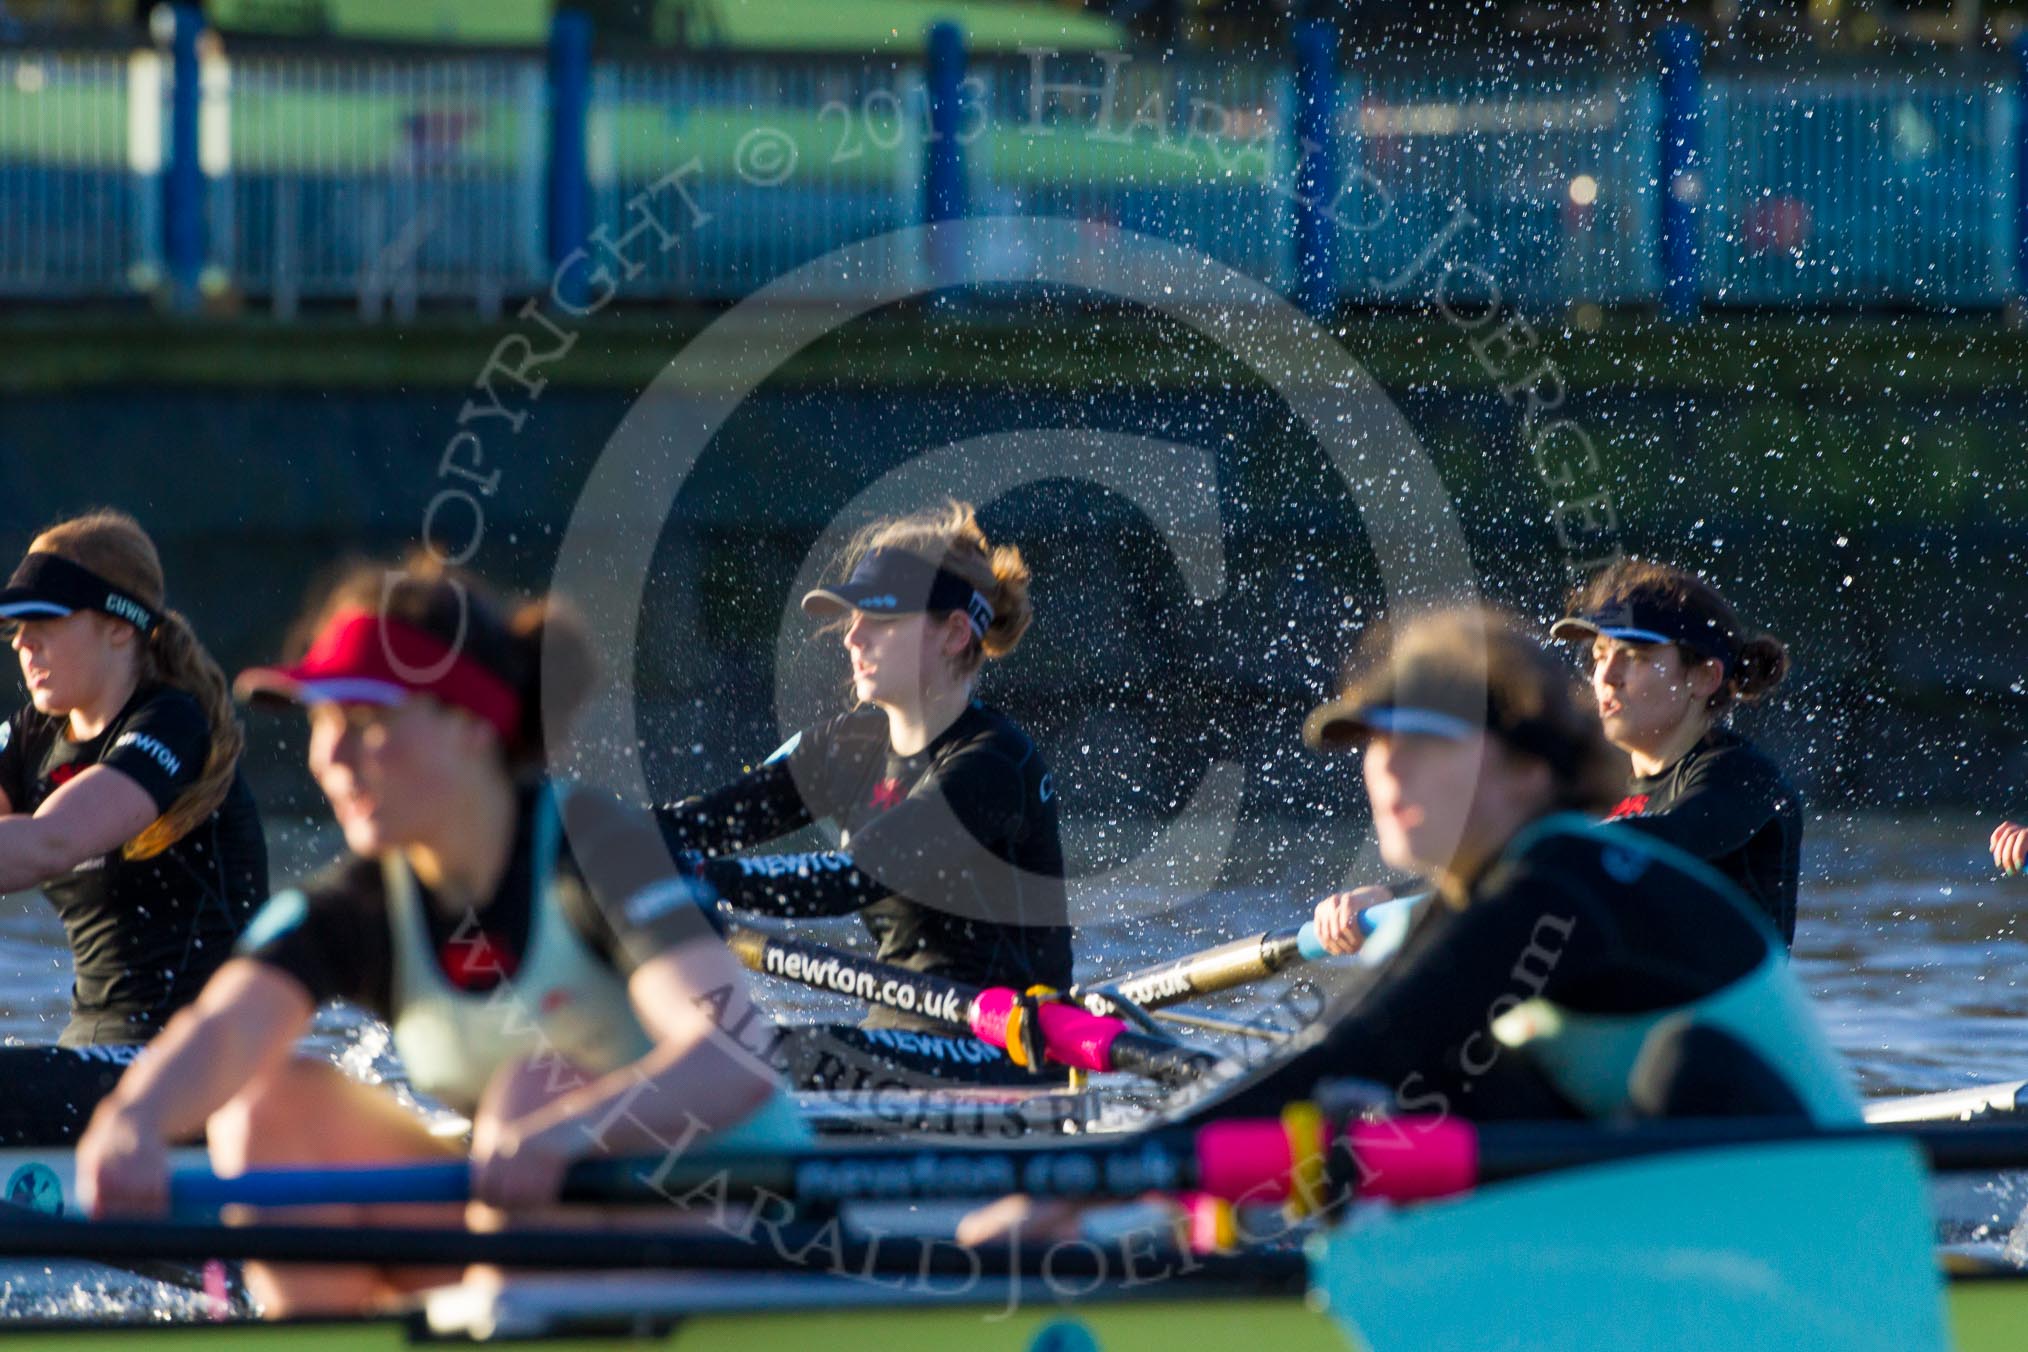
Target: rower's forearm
point(665, 1099)
point(192, 1068)
point(32, 851)
point(820, 882)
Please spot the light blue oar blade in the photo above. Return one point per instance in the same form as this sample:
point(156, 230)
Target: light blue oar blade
point(1805, 1248)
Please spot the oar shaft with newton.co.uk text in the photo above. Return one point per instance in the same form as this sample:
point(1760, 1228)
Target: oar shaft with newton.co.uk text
point(1064, 1033)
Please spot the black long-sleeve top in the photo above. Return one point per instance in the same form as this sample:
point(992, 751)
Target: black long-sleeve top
point(1726, 803)
point(951, 856)
point(1573, 913)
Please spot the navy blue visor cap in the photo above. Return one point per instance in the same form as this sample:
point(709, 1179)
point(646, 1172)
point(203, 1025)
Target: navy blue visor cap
point(898, 582)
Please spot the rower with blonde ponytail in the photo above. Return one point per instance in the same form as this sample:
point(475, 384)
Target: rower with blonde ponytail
point(120, 787)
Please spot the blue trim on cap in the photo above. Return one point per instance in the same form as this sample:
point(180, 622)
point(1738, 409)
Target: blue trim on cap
point(17, 610)
point(1397, 720)
point(1637, 635)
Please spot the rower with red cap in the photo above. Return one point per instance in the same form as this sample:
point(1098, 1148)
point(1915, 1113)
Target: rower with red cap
point(949, 848)
point(121, 797)
point(542, 966)
point(1564, 966)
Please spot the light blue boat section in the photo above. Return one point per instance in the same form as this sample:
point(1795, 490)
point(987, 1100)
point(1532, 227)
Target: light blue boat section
point(1802, 1248)
point(44, 1178)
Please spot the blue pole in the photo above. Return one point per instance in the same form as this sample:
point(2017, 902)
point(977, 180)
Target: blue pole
point(570, 36)
point(1317, 169)
point(2021, 168)
point(943, 195)
point(943, 173)
point(183, 179)
point(1681, 53)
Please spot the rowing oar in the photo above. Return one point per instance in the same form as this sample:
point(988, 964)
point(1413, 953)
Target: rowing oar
point(930, 1263)
point(1229, 964)
point(1238, 1160)
point(1028, 1028)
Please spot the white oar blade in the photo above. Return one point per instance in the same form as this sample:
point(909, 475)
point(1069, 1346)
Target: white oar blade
point(1983, 1101)
point(1803, 1247)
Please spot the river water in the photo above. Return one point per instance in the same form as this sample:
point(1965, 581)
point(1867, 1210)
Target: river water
point(1911, 945)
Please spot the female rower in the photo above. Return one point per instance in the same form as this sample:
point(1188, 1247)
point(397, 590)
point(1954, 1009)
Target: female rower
point(1636, 979)
point(1669, 660)
point(540, 968)
point(944, 804)
point(121, 797)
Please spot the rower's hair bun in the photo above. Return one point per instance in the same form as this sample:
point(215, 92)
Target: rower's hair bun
point(1009, 595)
point(1762, 664)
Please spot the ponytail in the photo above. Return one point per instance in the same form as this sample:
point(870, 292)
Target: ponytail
point(175, 657)
point(1009, 598)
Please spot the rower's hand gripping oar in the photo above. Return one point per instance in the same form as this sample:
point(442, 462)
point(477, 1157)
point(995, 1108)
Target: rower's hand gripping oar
point(1029, 1026)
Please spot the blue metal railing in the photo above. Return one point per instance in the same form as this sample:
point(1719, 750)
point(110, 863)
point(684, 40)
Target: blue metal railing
point(1538, 191)
point(1861, 189)
point(391, 180)
point(787, 158)
point(81, 154)
point(1060, 142)
point(386, 181)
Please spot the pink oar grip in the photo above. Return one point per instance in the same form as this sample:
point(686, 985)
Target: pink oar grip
point(1412, 1159)
point(1078, 1037)
point(1070, 1035)
point(1242, 1159)
point(990, 1013)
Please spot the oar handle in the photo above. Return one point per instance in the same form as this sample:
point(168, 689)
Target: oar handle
point(1310, 948)
point(1243, 960)
point(1076, 1037)
point(194, 1191)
